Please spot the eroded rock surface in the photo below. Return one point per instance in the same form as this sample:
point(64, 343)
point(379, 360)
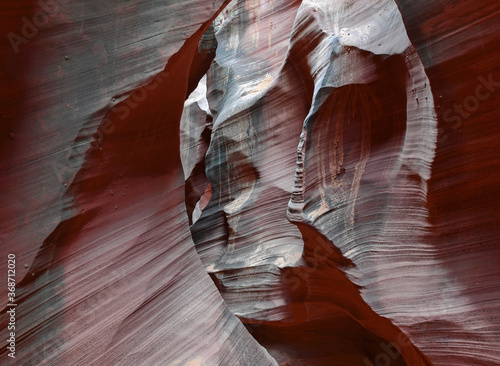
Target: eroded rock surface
point(362, 261)
point(252, 182)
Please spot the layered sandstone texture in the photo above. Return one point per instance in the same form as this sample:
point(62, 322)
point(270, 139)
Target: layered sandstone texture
point(251, 182)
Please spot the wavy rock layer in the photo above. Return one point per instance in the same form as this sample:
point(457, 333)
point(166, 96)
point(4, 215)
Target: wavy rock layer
point(379, 260)
point(252, 182)
point(112, 276)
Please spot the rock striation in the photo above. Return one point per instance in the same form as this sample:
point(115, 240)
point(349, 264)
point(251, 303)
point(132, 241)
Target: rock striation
point(251, 182)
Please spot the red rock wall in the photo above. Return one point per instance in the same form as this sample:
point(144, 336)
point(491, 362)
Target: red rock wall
point(93, 192)
point(298, 183)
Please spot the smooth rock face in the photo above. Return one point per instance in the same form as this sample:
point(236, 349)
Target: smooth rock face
point(251, 182)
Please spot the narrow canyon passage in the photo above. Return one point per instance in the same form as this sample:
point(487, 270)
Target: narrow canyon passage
point(250, 183)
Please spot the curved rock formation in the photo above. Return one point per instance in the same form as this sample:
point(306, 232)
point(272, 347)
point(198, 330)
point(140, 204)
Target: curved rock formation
point(251, 182)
